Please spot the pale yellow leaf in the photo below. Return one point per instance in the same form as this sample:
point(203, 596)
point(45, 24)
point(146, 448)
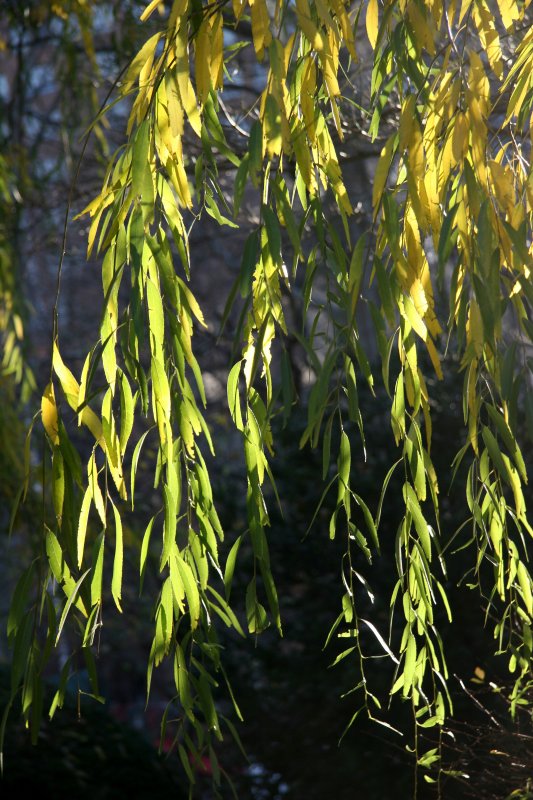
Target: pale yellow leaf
point(94, 488)
point(372, 22)
point(509, 12)
point(49, 414)
point(460, 137)
point(260, 27)
point(149, 10)
point(524, 580)
point(82, 524)
point(308, 26)
point(488, 35)
point(217, 52)
point(68, 382)
point(202, 60)
point(474, 329)
point(382, 170)
point(503, 185)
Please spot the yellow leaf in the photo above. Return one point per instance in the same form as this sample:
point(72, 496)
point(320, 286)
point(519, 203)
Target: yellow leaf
point(260, 27)
point(175, 111)
point(372, 22)
point(519, 94)
point(83, 383)
point(382, 170)
point(145, 54)
point(509, 12)
point(238, 8)
point(329, 58)
point(416, 150)
point(414, 318)
point(474, 329)
point(93, 486)
point(179, 180)
point(161, 397)
point(68, 382)
point(91, 421)
point(272, 126)
point(460, 137)
point(503, 184)
point(435, 359)
point(407, 119)
point(49, 414)
point(421, 25)
point(418, 296)
point(524, 580)
point(465, 7)
point(479, 86)
point(149, 10)
point(325, 16)
point(307, 98)
point(303, 158)
point(346, 26)
point(82, 524)
point(447, 162)
point(308, 26)
point(116, 582)
point(71, 388)
point(488, 35)
point(217, 52)
point(179, 8)
point(202, 60)
point(185, 88)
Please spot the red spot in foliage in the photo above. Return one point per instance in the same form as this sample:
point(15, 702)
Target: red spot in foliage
point(203, 764)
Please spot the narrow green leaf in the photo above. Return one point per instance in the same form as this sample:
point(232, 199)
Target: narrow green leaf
point(508, 439)
point(255, 613)
point(58, 484)
point(191, 590)
point(495, 454)
point(409, 665)
point(250, 256)
point(19, 600)
point(271, 593)
point(369, 520)
point(343, 464)
point(97, 569)
point(135, 461)
point(226, 608)
point(234, 401)
point(380, 639)
point(82, 523)
point(241, 177)
point(398, 410)
point(342, 655)
point(69, 603)
point(255, 149)
point(144, 551)
point(351, 722)
point(421, 525)
point(127, 405)
point(230, 566)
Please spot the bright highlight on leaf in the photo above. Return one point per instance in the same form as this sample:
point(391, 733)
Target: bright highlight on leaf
point(372, 21)
point(49, 414)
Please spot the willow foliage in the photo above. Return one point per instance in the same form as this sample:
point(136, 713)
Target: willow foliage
point(445, 266)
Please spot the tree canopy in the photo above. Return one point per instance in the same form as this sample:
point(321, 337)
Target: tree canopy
point(436, 280)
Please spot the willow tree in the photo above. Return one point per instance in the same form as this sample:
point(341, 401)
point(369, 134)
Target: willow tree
point(450, 96)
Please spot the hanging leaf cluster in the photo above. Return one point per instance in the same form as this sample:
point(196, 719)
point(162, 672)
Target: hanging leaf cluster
point(443, 273)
